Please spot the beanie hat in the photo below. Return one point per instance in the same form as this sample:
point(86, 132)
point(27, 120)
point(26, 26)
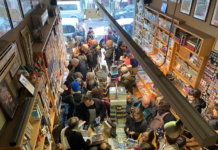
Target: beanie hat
point(75, 86)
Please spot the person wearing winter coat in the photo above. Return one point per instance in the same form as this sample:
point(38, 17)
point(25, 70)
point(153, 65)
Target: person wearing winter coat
point(88, 54)
point(214, 122)
point(130, 99)
point(91, 83)
point(119, 50)
point(109, 54)
point(195, 100)
point(79, 67)
point(82, 58)
point(126, 79)
point(96, 51)
point(135, 124)
point(90, 33)
point(147, 106)
point(164, 107)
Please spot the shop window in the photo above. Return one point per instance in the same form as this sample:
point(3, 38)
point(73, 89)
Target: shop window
point(68, 29)
point(68, 7)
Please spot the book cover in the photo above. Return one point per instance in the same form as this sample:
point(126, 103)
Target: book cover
point(98, 138)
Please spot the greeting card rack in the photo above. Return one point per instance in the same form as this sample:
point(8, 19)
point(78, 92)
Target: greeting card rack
point(187, 52)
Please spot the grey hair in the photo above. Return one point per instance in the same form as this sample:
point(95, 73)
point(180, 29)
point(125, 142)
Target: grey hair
point(95, 42)
point(92, 78)
point(77, 75)
point(75, 60)
point(85, 46)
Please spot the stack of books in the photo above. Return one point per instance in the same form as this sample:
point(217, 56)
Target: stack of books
point(121, 93)
point(26, 145)
point(37, 111)
point(112, 93)
point(28, 132)
point(102, 78)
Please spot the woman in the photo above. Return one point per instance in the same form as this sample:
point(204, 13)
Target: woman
point(135, 124)
point(126, 59)
point(195, 100)
point(90, 80)
point(96, 93)
point(147, 137)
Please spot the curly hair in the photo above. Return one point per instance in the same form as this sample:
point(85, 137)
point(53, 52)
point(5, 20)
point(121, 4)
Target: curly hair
point(164, 105)
point(96, 93)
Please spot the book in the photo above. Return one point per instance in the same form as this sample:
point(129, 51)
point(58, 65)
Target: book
point(98, 138)
point(115, 145)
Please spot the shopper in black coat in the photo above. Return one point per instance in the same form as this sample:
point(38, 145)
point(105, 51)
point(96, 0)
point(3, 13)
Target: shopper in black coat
point(164, 107)
point(88, 105)
point(119, 50)
point(91, 83)
point(195, 100)
point(79, 67)
point(135, 124)
point(71, 136)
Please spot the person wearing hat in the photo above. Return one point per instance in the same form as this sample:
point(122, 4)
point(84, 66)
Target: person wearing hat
point(77, 95)
point(126, 79)
point(171, 133)
point(91, 33)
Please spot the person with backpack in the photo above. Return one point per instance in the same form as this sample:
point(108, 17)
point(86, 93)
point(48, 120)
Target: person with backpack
point(147, 106)
point(163, 115)
point(135, 124)
point(109, 54)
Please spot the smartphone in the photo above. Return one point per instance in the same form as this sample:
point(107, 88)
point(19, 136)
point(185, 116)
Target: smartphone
point(97, 120)
point(159, 132)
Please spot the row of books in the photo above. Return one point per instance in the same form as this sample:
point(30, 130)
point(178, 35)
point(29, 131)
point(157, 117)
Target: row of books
point(149, 26)
point(149, 36)
point(161, 46)
point(150, 16)
point(166, 24)
point(26, 145)
point(28, 132)
point(37, 112)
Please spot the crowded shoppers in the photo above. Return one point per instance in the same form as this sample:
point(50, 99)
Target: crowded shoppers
point(109, 54)
point(135, 124)
point(79, 67)
point(148, 137)
point(71, 138)
point(90, 109)
point(126, 79)
point(147, 106)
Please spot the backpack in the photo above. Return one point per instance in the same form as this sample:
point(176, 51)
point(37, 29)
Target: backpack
point(158, 121)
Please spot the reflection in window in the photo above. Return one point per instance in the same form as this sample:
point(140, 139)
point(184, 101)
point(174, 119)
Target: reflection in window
point(4, 20)
point(68, 29)
point(26, 6)
point(35, 2)
point(14, 11)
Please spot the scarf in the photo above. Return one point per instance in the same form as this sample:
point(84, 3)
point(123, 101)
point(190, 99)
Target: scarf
point(125, 75)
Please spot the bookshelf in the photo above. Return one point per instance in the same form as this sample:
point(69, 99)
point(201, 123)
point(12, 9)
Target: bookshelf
point(157, 25)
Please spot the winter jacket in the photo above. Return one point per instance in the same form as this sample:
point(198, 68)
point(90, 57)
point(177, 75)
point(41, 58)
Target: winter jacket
point(89, 59)
point(77, 142)
point(199, 106)
point(84, 112)
point(109, 54)
point(96, 51)
point(167, 118)
point(83, 59)
point(162, 142)
point(110, 37)
point(69, 99)
point(137, 126)
point(130, 30)
point(214, 123)
point(152, 109)
point(134, 62)
point(91, 86)
point(82, 69)
point(127, 82)
point(128, 106)
point(118, 53)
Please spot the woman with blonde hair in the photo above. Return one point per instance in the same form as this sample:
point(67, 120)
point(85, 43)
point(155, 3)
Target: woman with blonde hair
point(90, 81)
point(135, 123)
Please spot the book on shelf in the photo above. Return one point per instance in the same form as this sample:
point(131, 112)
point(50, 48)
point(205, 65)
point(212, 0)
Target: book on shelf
point(26, 146)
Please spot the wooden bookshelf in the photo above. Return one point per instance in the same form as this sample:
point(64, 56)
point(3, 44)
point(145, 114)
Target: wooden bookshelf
point(41, 143)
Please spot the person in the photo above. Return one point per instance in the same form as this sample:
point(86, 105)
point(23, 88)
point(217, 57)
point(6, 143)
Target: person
point(77, 75)
point(96, 93)
point(147, 146)
point(77, 96)
point(109, 54)
point(135, 124)
point(115, 37)
point(110, 35)
point(81, 84)
point(164, 108)
point(126, 79)
point(91, 33)
point(195, 100)
point(91, 83)
point(89, 42)
point(88, 54)
point(105, 146)
point(90, 109)
point(71, 138)
point(130, 29)
point(147, 137)
point(126, 59)
point(119, 50)
point(81, 34)
point(130, 99)
point(135, 65)
point(79, 67)
point(147, 106)
point(82, 57)
point(95, 53)
point(76, 50)
point(214, 121)
point(181, 142)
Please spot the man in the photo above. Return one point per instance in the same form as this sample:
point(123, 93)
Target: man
point(148, 107)
point(88, 54)
point(172, 131)
point(71, 139)
point(126, 79)
point(90, 33)
point(109, 54)
point(96, 51)
point(130, 99)
point(130, 29)
point(119, 50)
point(82, 57)
point(90, 109)
point(79, 67)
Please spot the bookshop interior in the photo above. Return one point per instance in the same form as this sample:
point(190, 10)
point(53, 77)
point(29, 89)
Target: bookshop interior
point(109, 74)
